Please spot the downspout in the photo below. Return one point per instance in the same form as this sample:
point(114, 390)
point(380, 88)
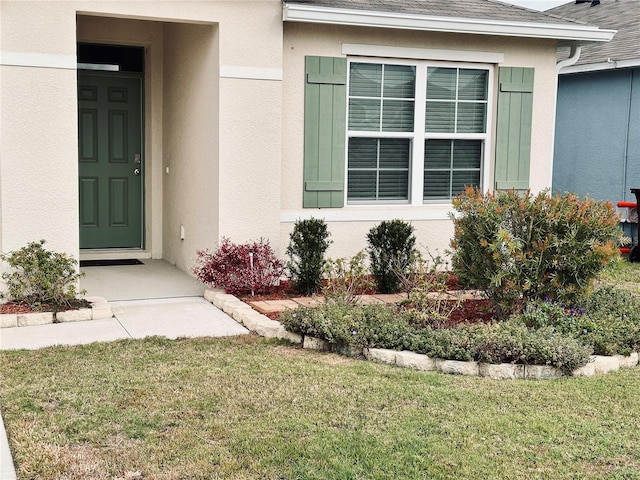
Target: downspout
point(574, 56)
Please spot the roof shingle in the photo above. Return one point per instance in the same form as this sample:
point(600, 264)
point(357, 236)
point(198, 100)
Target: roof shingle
point(478, 9)
point(621, 15)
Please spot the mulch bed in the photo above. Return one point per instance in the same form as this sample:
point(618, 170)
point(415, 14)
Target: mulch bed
point(469, 311)
point(21, 307)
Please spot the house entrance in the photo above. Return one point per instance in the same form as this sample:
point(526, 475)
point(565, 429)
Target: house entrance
point(110, 146)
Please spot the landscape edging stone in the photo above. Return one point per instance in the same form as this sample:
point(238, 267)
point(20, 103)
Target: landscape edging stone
point(598, 364)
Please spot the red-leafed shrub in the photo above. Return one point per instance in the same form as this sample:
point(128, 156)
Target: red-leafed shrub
point(250, 267)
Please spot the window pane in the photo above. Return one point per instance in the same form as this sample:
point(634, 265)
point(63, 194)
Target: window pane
point(437, 154)
point(361, 185)
point(378, 169)
point(394, 153)
point(363, 152)
point(467, 153)
point(365, 80)
point(397, 116)
point(441, 83)
point(394, 185)
point(440, 117)
point(464, 179)
point(399, 81)
point(471, 117)
point(364, 114)
point(472, 85)
point(437, 185)
point(449, 166)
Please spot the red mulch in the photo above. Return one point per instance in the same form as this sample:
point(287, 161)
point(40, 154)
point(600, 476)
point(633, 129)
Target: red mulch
point(20, 307)
point(14, 308)
point(468, 312)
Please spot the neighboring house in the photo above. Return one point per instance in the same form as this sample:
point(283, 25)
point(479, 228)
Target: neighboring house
point(151, 129)
point(597, 146)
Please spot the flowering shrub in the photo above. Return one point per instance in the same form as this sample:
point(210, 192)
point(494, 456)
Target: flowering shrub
point(607, 320)
point(240, 268)
point(520, 247)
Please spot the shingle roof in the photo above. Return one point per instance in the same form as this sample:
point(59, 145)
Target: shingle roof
point(621, 15)
point(477, 9)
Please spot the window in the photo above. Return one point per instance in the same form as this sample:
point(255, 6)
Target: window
point(416, 132)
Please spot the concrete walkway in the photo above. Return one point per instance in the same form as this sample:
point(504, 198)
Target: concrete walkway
point(155, 299)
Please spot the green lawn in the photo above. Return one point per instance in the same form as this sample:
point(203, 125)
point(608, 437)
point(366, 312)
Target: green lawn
point(247, 408)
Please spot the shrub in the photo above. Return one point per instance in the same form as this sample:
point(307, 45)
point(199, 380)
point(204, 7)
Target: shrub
point(426, 287)
point(381, 326)
point(513, 342)
point(308, 243)
point(250, 267)
point(520, 247)
point(41, 277)
point(347, 279)
point(391, 251)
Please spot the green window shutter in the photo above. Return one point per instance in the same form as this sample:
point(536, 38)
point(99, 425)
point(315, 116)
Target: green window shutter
point(324, 131)
point(513, 129)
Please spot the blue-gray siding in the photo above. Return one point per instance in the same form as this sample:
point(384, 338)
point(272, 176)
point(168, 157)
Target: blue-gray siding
point(597, 146)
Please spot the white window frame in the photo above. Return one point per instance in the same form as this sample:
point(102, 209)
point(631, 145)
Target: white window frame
point(419, 136)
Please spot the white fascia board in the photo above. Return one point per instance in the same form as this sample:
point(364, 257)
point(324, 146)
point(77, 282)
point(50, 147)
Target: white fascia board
point(369, 18)
point(598, 67)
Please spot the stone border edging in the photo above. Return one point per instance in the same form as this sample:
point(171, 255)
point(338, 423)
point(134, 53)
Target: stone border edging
point(100, 309)
point(265, 327)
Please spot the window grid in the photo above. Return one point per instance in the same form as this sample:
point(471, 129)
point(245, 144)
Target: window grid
point(417, 167)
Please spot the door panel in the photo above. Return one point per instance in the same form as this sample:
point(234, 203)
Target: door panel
point(110, 160)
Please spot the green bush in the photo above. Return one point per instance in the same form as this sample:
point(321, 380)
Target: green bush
point(607, 320)
point(308, 243)
point(522, 247)
point(381, 326)
point(40, 277)
point(513, 342)
point(391, 252)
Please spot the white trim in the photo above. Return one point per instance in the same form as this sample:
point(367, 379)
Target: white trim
point(251, 73)
point(421, 53)
point(596, 67)
point(418, 136)
point(569, 32)
point(353, 213)
point(39, 60)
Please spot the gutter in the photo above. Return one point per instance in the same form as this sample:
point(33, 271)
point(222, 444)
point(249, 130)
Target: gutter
point(565, 34)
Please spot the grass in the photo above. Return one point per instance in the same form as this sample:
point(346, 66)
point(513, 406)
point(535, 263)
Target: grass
point(248, 408)
point(624, 275)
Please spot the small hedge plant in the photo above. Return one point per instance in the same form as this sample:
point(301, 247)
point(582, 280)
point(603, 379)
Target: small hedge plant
point(380, 326)
point(41, 278)
point(308, 244)
point(247, 268)
point(519, 247)
point(391, 253)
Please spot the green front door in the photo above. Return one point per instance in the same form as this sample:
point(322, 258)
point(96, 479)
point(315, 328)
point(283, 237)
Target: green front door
point(110, 161)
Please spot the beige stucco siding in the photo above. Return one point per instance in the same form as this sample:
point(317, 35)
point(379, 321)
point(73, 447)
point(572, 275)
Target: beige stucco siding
point(350, 224)
point(213, 74)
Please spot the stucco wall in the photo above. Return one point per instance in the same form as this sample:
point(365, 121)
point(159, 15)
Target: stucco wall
point(350, 224)
point(38, 129)
point(212, 104)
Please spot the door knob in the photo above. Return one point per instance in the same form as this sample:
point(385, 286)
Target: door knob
point(136, 171)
